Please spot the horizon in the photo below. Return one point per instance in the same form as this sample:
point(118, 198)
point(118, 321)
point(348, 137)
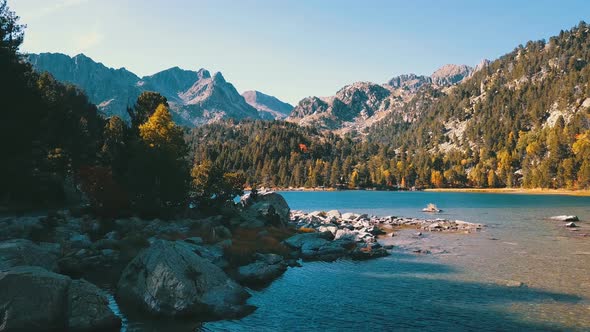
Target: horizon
point(286, 42)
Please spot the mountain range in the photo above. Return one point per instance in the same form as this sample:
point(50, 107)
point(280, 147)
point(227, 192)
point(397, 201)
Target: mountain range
point(520, 120)
point(362, 104)
point(195, 97)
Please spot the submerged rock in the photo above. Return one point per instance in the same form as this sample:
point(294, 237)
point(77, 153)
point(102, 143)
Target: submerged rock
point(571, 225)
point(565, 218)
point(297, 241)
point(169, 279)
point(514, 283)
point(369, 252)
point(326, 251)
point(34, 299)
point(266, 268)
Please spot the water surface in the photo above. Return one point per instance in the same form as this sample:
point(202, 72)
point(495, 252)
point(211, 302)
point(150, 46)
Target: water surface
point(467, 282)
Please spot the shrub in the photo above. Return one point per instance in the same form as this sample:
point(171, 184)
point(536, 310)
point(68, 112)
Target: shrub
point(306, 230)
point(247, 242)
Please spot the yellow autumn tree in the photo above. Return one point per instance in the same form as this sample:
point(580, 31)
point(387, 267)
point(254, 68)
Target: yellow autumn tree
point(159, 173)
point(436, 178)
point(581, 148)
point(353, 183)
point(160, 132)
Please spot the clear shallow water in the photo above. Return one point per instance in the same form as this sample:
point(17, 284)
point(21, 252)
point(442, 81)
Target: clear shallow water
point(466, 283)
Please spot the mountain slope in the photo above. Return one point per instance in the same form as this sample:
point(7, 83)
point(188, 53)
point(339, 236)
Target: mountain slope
point(195, 97)
point(519, 120)
point(269, 107)
point(353, 104)
point(117, 87)
point(360, 105)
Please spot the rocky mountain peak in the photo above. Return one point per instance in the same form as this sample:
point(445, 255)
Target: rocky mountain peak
point(481, 65)
point(450, 74)
point(410, 82)
point(218, 78)
point(203, 73)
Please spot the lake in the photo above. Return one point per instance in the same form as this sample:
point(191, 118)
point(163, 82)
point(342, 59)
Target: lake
point(522, 272)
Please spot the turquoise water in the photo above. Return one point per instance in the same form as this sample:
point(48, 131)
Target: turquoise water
point(522, 272)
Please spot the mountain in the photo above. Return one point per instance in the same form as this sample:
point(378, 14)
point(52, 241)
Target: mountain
point(268, 107)
point(448, 75)
point(352, 106)
point(117, 88)
point(522, 119)
point(195, 97)
point(360, 105)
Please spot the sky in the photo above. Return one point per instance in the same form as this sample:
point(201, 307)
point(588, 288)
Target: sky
point(292, 48)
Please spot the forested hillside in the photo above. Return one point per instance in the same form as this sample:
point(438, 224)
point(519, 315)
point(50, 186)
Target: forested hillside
point(521, 120)
point(282, 154)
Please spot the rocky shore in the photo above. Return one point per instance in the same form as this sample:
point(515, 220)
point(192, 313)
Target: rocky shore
point(193, 268)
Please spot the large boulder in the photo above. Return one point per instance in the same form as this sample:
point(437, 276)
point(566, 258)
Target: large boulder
point(21, 252)
point(266, 268)
point(213, 253)
point(269, 207)
point(34, 299)
point(88, 309)
point(169, 279)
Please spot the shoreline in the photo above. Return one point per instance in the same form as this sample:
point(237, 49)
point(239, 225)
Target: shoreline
point(535, 191)
point(532, 191)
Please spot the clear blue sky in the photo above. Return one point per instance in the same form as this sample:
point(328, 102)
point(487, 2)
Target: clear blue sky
point(292, 48)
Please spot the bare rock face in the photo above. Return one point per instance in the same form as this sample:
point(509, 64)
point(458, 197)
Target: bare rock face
point(353, 103)
point(34, 299)
point(450, 74)
point(410, 82)
point(169, 279)
point(211, 99)
point(268, 107)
